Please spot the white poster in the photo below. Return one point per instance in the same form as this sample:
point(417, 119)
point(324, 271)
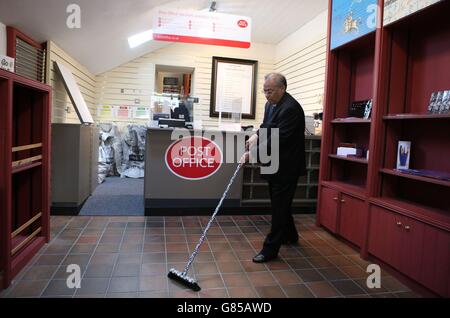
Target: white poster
point(234, 88)
point(202, 28)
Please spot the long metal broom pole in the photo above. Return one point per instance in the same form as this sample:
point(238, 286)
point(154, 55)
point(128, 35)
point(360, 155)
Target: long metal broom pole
point(202, 238)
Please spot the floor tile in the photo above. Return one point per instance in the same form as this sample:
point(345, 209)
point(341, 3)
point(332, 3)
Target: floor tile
point(270, 292)
point(298, 291)
point(288, 277)
point(129, 257)
point(347, 287)
point(242, 292)
point(322, 289)
point(28, 289)
point(123, 285)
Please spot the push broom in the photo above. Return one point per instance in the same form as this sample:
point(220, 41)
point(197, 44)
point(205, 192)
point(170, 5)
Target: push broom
point(182, 277)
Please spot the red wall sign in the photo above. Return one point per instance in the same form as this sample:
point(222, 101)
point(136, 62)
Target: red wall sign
point(194, 158)
point(188, 26)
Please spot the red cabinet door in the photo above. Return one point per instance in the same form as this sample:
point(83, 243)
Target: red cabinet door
point(388, 239)
point(435, 267)
point(383, 234)
point(351, 219)
point(412, 247)
point(329, 204)
point(397, 240)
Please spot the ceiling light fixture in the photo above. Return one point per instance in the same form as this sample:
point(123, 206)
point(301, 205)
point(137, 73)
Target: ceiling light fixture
point(213, 8)
point(141, 38)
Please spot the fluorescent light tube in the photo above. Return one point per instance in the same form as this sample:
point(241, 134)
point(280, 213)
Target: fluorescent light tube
point(141, 38)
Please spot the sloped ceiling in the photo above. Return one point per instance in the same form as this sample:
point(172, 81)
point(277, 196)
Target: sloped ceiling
point(101, 43)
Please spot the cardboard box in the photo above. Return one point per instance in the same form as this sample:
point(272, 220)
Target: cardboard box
point(345, 151)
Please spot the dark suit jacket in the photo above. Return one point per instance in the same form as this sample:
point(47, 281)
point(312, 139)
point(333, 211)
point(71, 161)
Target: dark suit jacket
point(289, 118)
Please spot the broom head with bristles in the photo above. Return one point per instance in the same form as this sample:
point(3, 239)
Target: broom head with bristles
point(183, 279)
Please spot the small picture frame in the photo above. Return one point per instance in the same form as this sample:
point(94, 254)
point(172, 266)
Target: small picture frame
point(403, 154)
point(233, 87)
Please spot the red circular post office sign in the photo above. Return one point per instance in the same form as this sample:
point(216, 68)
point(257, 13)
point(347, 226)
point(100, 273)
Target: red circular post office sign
point(243, 24)
point(194, 158)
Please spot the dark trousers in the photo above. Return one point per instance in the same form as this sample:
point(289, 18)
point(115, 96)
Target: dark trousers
point(283, 227)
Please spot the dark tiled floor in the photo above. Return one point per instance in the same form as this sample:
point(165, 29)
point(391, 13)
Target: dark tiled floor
point(130, 257)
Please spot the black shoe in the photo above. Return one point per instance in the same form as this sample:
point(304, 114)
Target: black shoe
point(261, 258)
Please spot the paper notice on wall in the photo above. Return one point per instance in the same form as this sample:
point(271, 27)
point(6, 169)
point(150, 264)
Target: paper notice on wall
point(234, 88)
point(105, 111)
point(122, 112)
point(141, 112)
point(202, 28)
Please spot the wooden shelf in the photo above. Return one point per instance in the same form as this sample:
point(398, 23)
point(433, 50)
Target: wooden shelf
point(415, 116)
point(20, 241)
point(26, 167)
point(26, 147)
point(26, 161)
point(393, 172)
point(436, 217)
point(349, 188)
point(25, 112)
point(351, 121)
point(361, 161)
point(399, 66)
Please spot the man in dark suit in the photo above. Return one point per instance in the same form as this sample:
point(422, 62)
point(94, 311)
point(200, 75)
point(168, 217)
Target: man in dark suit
point(282, 111)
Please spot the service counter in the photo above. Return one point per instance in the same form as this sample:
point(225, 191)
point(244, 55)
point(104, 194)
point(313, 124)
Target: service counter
point(173, 187)
point(168, 191)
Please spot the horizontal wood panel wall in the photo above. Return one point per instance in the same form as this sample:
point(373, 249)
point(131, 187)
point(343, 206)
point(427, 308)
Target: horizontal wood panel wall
point(62, 108)
point(137, 78)
point(305, 73)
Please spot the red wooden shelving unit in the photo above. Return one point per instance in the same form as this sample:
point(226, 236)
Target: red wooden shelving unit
point(24, 171)
point(396, 219)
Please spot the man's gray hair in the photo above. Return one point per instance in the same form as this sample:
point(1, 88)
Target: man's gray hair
point(279, 79)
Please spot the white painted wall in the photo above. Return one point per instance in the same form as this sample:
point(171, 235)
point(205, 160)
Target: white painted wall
point(137, 77)
point(301, 57)
point(2, 39)
point(309, 33)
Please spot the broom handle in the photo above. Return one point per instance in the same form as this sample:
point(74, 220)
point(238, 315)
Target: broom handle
point(202, 238)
